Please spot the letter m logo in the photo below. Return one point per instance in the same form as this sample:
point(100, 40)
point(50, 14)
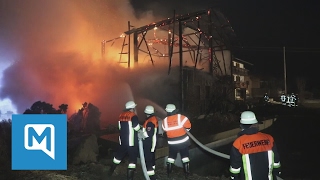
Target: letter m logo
point(40, 137)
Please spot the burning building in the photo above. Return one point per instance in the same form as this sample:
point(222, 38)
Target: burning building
point(53, 51)
point(197, 50)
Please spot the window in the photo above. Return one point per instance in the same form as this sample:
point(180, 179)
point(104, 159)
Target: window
point(234, 77)
point(238, 78)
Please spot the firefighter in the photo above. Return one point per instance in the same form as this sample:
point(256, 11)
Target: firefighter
point(253, 154)
point(150, 127)
point(283, 98)
point(128, 139)
point(175, 126)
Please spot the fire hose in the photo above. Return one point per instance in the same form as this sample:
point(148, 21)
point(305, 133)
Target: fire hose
point(143, 162)
point(213, 151)
point(206, 148)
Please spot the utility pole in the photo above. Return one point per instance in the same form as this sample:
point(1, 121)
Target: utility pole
point(285, 69)
point(181, 67)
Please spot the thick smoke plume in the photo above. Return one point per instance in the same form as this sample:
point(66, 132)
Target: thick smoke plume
point(54, 49)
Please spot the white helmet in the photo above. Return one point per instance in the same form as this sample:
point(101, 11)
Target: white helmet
point(149, 110)
point(170, 107)
point(130, 105)
point(248, 117)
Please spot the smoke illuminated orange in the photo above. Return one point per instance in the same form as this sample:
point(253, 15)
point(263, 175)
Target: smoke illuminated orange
point(58, 44)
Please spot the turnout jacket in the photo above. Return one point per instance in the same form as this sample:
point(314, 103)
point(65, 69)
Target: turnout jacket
point(174, 126)
point(128, 125)
point(254, 156)
point(150, 126)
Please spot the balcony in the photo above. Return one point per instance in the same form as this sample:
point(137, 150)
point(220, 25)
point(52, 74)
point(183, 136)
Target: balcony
point(239, 71)
point(241, 84)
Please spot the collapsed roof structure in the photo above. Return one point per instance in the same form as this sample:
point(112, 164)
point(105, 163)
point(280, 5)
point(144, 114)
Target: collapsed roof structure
point(206, 36)
point(195, 42)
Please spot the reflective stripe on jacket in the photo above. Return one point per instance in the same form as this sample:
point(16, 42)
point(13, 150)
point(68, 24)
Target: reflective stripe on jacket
point(175, 126)
point(254, 156)
point(128, 125)
point(150, 126)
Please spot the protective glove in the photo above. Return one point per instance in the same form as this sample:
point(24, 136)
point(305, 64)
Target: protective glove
point(142, 135)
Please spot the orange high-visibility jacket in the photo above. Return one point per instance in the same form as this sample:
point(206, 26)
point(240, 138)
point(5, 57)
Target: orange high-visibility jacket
point(150, 126)
point(175, 126)
point(254, 156)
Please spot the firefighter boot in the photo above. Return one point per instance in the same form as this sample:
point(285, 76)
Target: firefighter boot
point(186, 168)
point(153, 177)
point(130, 173)
point(169, 168)
point(112, 168)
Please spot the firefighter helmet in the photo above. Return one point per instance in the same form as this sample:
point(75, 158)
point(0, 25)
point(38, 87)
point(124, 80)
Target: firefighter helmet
point(149, 110)
point(248, 117)
point(170, 108)
point(130, 105)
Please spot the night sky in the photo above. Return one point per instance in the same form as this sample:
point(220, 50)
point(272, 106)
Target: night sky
point(263, 28)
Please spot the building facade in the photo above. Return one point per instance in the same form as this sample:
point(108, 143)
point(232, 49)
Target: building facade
point(241, 79)
point(250, 86)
